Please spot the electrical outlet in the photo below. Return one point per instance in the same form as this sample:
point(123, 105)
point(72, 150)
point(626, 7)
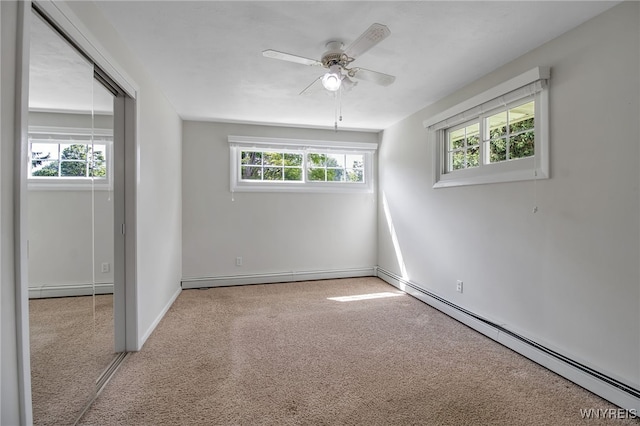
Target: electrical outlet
point(239, 261)
point(105, 267)
point(459, 286)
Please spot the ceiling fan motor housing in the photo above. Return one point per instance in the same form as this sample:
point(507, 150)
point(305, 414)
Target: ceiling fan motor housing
point(335, 55)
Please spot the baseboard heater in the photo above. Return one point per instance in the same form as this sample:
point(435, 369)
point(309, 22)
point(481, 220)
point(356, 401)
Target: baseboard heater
point(69, 290)
point(276, 277)
point(607, 387)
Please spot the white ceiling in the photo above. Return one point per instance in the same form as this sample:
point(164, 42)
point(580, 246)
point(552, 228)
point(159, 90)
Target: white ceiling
point(206, 56)
point(60, 79)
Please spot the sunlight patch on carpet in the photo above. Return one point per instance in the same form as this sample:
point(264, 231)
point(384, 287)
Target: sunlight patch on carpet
point(365, 296)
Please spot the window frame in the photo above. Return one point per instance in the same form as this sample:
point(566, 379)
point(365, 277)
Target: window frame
point(466, 147)
point(326, 168)
point(531, 85)
point(238, 144)
point(486, 137)
point(62, 135)
point(264, 166)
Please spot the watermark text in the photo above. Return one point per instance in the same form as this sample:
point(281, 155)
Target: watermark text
point(608, 413)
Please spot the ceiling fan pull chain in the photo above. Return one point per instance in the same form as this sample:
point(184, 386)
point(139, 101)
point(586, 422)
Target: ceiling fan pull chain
point(340, 101)
point(335, 116)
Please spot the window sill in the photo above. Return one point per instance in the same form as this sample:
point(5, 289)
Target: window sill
point(510, 171)
point(74, 185)
point(338, 187)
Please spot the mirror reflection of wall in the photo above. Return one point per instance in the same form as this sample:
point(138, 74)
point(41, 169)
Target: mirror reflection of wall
point(70, 216)
point(70, 221)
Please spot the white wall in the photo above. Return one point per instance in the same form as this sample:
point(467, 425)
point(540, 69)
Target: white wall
point(566, 276)
point(158, 206)
point(71, 120)
point(273, 232)
point(62, 244)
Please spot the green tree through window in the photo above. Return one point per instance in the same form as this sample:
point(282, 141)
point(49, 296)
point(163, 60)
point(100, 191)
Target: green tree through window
point(463, 147)
point(323, 167)
point(511, 133)
point(288, 166)
point(271, 165)
point(75, 160)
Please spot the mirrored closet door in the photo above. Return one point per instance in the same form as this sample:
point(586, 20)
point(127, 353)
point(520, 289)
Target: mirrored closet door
point(70, 205)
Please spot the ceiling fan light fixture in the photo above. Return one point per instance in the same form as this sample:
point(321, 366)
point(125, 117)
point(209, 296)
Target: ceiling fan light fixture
point(333, 79)
point(331, 82)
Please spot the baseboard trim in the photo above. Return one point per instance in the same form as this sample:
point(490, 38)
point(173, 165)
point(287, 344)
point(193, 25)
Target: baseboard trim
point(86, 289)
point(276, 277)
point(155, 322)
point(602, 385)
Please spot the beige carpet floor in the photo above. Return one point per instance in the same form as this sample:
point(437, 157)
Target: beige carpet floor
point(285, 354)
point(70, 347)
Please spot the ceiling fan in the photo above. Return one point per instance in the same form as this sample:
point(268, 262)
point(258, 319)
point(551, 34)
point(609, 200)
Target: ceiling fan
point(337, 60)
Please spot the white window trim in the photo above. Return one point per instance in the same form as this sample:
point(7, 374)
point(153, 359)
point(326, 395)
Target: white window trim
point(70, 183)
point(531, 83)
point(239, 143)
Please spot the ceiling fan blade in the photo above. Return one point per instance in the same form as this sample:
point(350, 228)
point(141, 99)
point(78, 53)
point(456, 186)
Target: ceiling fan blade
point(347, 84)
point(372, 76)
point(312, 88)
point(372, 36)
point(274, 54)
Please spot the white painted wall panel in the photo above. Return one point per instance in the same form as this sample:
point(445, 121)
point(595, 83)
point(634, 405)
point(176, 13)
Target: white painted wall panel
point(272, 232)
point(159, 134)
point(566, 276)
point(61, 244)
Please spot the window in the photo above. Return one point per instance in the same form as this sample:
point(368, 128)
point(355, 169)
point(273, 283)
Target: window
point(328, 167)
point(507, 134)
point(510, 133)
point(75, 160)
point(270, 166)
point(463, 146)
point(498, 136)
point(69, 160)
point(267, 164)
